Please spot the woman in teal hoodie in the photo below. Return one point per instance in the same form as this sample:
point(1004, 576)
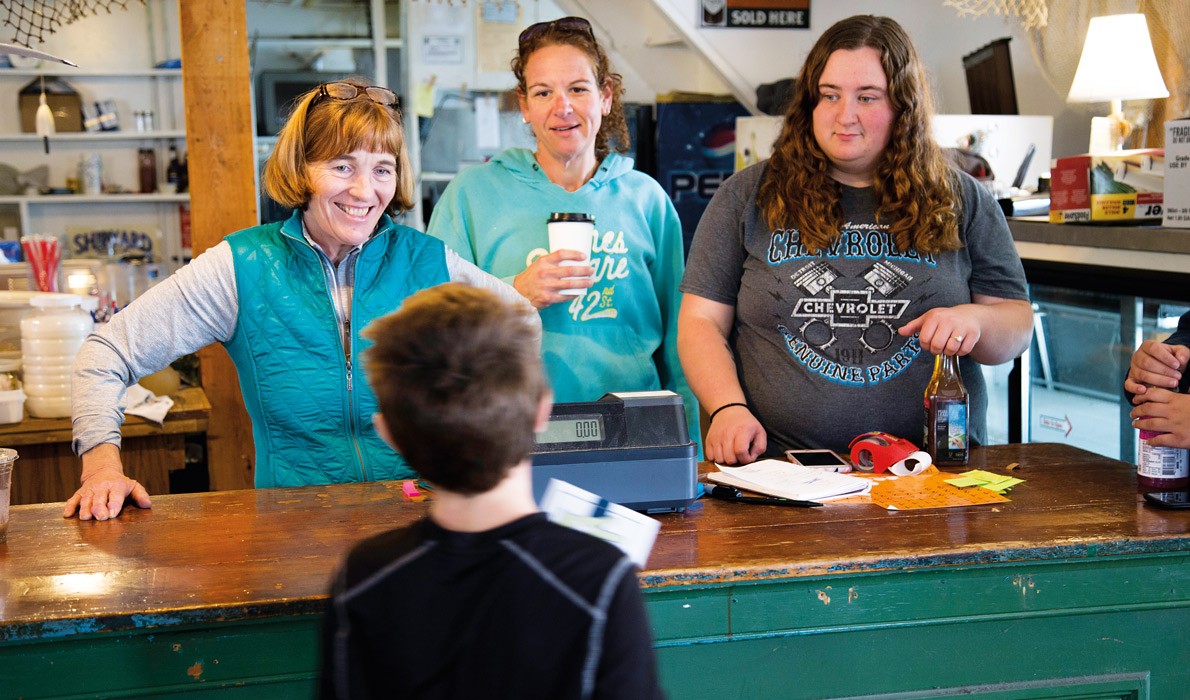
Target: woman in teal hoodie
point(620, 332)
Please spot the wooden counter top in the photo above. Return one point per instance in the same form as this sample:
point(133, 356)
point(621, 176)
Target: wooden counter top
point(220, 594)
point(48, 470)
point(258, 553)
point(1149, 238)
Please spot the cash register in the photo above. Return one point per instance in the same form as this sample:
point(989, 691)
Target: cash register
point(631, 448)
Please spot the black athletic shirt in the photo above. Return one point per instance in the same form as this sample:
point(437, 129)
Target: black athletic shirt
point(527, 610)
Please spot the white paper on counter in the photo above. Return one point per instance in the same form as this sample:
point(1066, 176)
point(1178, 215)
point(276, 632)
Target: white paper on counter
point(634, 533)
point(144, 403)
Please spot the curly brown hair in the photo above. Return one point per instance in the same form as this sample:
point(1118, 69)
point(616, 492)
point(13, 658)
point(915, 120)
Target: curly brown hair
point(915, 187)
point(576, 32)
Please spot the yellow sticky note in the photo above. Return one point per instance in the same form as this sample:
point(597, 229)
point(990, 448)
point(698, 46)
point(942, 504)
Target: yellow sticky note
point(1002, 486)
point(423, 100)
point(964, 481)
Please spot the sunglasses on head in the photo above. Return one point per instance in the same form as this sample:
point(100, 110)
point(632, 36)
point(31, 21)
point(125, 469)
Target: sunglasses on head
point(573, 24)
point(350, 91)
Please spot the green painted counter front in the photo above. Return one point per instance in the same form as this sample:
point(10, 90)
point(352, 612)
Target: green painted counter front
point(1073, 589)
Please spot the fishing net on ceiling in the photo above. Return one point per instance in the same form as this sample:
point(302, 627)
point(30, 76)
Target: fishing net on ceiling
point(1056, 30)
point(1031, 13)
point(1058, 46)
point(29, 21)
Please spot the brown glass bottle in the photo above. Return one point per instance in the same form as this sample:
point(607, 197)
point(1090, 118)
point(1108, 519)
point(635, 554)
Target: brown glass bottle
point(946, 408)
point(147, 162)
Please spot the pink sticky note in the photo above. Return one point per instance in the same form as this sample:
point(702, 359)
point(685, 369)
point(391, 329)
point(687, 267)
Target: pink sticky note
point(410, 489)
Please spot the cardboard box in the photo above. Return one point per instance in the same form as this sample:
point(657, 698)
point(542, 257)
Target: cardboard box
point(1121, 186)
point(1177, 174)
point(64, 102)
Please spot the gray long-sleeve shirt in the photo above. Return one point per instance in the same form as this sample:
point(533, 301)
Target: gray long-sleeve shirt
point(196, 306)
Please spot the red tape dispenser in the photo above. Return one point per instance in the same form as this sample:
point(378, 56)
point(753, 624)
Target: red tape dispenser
point(881, 452)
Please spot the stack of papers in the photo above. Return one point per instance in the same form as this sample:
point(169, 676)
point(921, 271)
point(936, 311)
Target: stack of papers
point(787, 480)
point(988, 480)
point(567, 504)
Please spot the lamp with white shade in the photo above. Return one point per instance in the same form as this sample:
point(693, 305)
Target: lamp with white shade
point(1117, 64)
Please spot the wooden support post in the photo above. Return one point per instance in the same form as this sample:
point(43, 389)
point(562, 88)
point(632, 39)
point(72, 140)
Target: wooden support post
point(216, 83)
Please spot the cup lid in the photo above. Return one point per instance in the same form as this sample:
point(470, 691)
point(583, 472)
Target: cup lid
point(571, 216)
point(7, 455)
point(56, 301)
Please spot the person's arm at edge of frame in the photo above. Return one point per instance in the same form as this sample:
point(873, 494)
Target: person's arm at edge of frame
point(104, 368)
point(628, 664)
point(734, 436)
point(1159, 363)
point(461, 270)
point(1156, 384)
point(668, 267)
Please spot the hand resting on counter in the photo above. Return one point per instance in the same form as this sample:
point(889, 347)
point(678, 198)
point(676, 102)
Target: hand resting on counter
point(104, 486)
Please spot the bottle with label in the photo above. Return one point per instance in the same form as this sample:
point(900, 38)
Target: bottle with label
point(173, 171)
point(946, 408)
point(147, 161)
point(1158, 467)
point(91, 173)
point(183, 173)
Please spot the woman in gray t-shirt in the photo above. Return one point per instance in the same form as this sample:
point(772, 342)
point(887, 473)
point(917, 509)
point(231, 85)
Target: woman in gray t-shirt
point(821, 282)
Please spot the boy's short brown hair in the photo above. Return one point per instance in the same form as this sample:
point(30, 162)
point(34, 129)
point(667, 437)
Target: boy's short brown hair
point(458, 376)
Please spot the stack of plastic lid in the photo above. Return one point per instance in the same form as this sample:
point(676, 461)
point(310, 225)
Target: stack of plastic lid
point(14, 305)
point(50, 338)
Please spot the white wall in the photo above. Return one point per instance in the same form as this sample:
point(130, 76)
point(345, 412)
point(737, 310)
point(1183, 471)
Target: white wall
point(658, 46)
point(942, 38)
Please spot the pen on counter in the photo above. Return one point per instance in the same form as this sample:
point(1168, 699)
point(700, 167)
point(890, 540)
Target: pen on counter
point(731, 493)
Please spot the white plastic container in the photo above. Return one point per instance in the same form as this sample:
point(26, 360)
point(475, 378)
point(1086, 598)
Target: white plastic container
point(12, 406)
point(14, 305)
point(51, 335)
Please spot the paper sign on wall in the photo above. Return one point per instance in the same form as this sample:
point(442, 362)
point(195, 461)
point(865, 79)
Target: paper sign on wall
point(442, 49)
point(487, 122)
point(756, 14)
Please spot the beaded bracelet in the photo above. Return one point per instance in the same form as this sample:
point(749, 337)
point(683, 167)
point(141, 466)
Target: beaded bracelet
point(726, 405)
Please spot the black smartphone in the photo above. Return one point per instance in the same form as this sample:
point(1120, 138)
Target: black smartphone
point(820, 459)
point(1168, 499)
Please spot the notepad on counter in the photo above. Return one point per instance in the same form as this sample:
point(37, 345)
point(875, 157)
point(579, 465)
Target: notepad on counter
point(787, 480)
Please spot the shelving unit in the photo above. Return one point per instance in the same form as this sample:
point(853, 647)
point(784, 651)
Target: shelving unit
point(116, 53)
point(369, 28)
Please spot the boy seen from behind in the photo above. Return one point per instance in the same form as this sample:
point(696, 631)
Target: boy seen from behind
point(485, 597)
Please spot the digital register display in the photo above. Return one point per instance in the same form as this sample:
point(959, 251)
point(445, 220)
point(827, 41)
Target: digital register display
point(572, 429)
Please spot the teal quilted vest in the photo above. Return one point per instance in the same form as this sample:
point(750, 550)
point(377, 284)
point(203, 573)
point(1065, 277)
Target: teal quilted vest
point(311, 410)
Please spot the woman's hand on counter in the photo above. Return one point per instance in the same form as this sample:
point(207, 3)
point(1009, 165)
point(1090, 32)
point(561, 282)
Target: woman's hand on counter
point(104, 486)
point(541, 283)
point(735, 437)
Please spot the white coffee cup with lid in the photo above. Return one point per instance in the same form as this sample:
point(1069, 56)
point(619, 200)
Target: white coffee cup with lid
point(572, 231)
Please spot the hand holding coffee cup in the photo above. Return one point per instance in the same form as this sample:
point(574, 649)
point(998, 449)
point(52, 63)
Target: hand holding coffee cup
point(572, 231)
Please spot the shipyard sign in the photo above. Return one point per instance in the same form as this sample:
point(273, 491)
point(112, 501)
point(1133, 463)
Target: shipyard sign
point(760, 14)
